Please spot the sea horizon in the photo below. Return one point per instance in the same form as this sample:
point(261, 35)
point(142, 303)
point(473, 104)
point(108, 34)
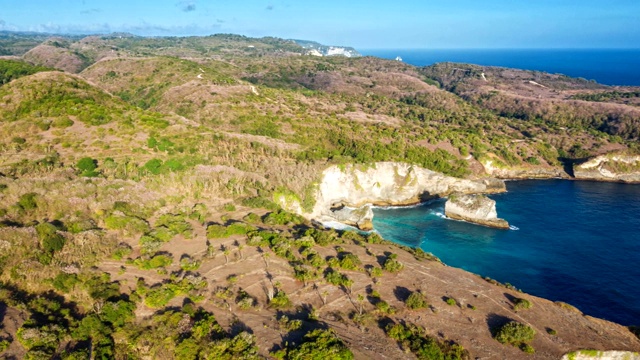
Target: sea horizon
point(608, 66)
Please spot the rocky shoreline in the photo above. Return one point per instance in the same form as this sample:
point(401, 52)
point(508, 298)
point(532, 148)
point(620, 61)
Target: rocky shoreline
point(347, 193)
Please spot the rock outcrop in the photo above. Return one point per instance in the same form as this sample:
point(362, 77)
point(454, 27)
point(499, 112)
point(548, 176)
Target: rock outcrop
point(539, 172)
point(361, 217)
point(610, 167)
point(351, 189)
point(477, 209)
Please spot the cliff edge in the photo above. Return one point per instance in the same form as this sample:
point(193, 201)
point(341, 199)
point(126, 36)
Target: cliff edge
point(345, 192)
point(610, 167)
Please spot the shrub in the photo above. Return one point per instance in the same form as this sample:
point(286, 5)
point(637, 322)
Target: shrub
point(64, 122)
point(216, 231)
point(154, 262)
point(189, 264)
point(65, 282)
point(259, 202)
point(349, 261)
point(153, 166)
point(338, 279)
point(451, 301)
point(50, 240)
point(121, 251)
point(317, 344)
point(392, 265)
point(515, 333)
point(176, 224)
point(87, 167)
point(252, 218)
point(130, 224)
point(28, 201)
point(280, 300)
point(521, 304)
point(416, 301)
point(4, 345)
point(282, 217)
point(385, 308)
point(413, 338)
point(322, 237)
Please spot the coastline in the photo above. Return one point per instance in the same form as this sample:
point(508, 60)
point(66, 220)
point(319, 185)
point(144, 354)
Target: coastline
point(542, 226)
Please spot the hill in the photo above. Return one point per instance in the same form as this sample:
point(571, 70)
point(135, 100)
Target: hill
point(153, 200)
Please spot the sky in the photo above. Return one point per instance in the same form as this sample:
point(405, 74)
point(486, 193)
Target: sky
point(372, 24)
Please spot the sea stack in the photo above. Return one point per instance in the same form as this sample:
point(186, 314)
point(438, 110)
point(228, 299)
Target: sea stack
point(477, 209)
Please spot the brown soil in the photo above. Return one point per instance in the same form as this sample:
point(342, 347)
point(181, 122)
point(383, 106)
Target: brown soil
point(258, 268)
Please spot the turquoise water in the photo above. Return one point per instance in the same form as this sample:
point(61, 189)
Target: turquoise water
point(606, 66)
point(576, 242)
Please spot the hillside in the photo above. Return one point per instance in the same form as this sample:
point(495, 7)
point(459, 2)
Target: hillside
point(146, 192)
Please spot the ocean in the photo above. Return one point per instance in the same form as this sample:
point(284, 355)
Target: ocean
point(606, 66)
point(576, 241)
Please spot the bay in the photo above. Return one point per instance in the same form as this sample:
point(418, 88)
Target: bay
point(576, 242)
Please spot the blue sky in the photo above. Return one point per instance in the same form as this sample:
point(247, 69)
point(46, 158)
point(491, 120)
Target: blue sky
point(362, 24)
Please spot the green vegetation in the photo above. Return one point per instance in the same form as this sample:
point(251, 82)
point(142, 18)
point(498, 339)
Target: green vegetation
point(154, 262)
point(516, 334)
point(13, 69)
point(87, 167)
point(607, 96)
point(317, 344)
point(215, 231)
point(123, 166)
point(423, 346)
point(416, 301)
point(280, 300)
point(451, 301)
point(521, 304)
point(391, 264)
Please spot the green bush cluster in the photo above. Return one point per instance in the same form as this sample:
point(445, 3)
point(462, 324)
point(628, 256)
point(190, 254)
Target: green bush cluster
point(50, 321)
point(521, 304)
point(348, 261)
point(28, 201)
point(280, 300)
point(416, 300)
point(14, 69)
point(215, 231)
point(153, 262)
point(282, 217)
point(317, 344)
point(259, 202)
point(392, 265)
point(87, 167)
point(516, 334)
point(338, 279)
point(50, 241)
point(159, 295)
point(175, 224)
point(423, 346)
point(130, 224)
